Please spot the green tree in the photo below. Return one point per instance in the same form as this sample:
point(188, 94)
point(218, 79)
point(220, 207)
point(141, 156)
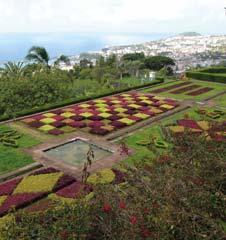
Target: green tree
point(62, 59)
point(133, 57)
point(13, 69)
point(158, 62)
point(38, 55)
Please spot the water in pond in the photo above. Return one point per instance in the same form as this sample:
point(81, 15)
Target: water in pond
point(75, 152)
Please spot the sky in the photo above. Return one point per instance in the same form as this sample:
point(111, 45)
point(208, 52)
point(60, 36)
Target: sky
point(113, 16)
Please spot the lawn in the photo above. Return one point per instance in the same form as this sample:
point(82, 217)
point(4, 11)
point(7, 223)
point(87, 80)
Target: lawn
point(217, 88)
point(14, 158)
point(220, 101)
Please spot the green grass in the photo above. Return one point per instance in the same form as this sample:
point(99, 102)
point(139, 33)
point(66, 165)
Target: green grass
point(220, 101)
point(218, 87)
point(14, 158)
point(155, 130)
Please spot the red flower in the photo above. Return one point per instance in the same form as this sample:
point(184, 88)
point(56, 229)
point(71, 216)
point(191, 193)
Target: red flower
point(146, 210)
point(107, 208)
point(122, 205)
point(64, 235)
point(145, 233)
point(133, 220)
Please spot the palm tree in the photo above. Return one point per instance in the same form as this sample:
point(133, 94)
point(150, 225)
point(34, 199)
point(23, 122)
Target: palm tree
point(13, 69)
point(38, 55)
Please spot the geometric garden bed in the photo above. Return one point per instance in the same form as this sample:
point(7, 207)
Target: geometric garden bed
point(102, 116)
point(22, 191)
point(48, 183)
point(212, 130)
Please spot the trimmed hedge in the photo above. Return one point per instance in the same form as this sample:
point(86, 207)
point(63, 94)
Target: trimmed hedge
point(210, 77)
point(76, 100)
point(214, 70)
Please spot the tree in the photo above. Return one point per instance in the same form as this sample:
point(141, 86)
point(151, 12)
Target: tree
point(158, 62)
point(84, 63)
point(13, 69)
point(133, 57)
point(38, 55)
point(62, 59)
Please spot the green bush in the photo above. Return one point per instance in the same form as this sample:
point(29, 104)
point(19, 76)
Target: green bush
point(211, 77)
point(214, 70)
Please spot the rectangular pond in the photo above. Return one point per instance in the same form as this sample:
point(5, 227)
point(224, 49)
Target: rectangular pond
point(75, 152)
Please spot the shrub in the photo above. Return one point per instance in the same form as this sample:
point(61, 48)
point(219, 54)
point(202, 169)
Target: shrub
point(211, 77)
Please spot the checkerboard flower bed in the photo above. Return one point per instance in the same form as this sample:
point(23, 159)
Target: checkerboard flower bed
point(22, 191)
point(165, 89)
point(200, 91)
point(185, 89)
point(102, 116)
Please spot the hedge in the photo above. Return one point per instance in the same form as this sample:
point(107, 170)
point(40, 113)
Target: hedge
point(76, 100)
point(211, 77)
point(214, 70)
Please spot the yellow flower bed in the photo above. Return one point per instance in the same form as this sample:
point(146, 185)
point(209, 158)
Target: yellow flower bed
point(2, 199)
point(104, 176)
point(38, 183)
point(177, 129)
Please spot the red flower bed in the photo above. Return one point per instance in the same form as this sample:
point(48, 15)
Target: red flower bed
point(58, 124)
point(160, 90)
point(8, 187)
point(188, 123)
point(74, 190)
point(55, 132)
point(36, 124)
point(63, 181)
point(200, 91)
point(99, 131)
point(120, 176)
point(185, 89)
point(19, 200)
point(96, 124)
point(77, 118)
point(118, 124)
point(77, 124)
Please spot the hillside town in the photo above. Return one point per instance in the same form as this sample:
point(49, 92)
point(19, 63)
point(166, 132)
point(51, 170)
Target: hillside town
point(189, 50)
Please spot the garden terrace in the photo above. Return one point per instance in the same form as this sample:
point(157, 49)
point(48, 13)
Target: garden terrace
point(101, 116)
point(188, 90)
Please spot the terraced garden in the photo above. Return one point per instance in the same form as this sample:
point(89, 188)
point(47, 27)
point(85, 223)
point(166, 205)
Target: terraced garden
point(188, 90)
point(166, 127)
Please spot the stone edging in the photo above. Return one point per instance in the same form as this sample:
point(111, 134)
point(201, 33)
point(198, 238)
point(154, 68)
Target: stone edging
point(20, 171)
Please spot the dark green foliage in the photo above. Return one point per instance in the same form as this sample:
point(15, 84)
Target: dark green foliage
point(214, 70)
point(210, 77)
point(38, 55)
point(158, 62)
point(134, 57)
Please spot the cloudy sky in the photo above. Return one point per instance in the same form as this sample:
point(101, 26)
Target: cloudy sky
point(113, 16)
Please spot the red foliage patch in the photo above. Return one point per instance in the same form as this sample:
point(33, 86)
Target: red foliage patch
point(74, 190)
point(185, 89)
point(160, 90)
point(200, 91)
point(63, 181)
point(8, 187)
point(19, 200)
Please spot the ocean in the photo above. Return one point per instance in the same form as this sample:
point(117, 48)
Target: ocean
point(14, 46)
